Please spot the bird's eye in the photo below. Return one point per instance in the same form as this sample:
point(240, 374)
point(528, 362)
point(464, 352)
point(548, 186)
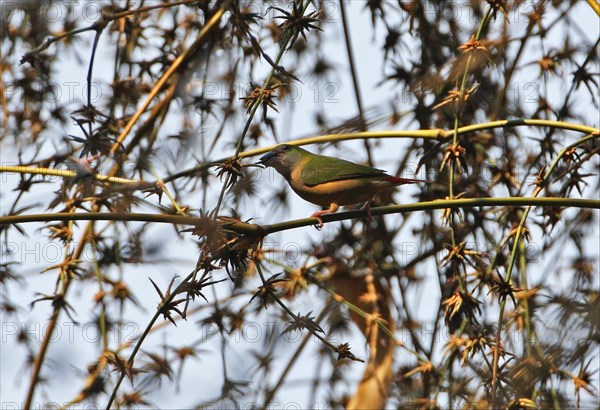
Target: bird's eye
point(286, 147)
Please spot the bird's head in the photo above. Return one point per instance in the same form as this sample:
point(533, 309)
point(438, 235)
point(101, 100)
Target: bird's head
point(283, 158)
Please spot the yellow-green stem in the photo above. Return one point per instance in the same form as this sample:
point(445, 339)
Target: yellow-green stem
point(513, 254)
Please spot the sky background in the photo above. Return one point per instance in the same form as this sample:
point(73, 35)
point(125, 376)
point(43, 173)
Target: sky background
point(74, 346)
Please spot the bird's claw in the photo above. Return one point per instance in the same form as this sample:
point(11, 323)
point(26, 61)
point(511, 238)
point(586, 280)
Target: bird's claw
point(367, 209)
point(319, 224)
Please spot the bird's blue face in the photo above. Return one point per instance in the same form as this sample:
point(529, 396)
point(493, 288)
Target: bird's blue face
point(276, 156)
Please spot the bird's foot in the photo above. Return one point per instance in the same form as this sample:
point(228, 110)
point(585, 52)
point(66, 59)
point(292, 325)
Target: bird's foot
point(332, 208)
point(317, 215)
point(367, 209)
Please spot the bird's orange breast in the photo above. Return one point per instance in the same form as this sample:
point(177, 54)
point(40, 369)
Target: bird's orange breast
point(345, 192)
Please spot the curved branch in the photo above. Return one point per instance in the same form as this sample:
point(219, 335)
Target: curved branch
point(434, 134)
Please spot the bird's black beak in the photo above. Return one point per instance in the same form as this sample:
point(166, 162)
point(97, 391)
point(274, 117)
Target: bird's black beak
point(264, 160)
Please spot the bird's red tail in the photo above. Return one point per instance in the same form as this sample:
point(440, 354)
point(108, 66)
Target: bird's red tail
point(402, 181)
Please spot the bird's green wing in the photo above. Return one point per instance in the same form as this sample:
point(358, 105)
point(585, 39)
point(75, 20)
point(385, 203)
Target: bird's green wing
point(320, 169)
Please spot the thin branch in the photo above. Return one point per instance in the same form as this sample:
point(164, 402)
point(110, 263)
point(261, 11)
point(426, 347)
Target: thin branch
point(263, 230)
point(354, 75)
point(103, 20)
point(296, 318)
point(165, 77)
point(67, 173)
point(519, 232)
point(253, 108)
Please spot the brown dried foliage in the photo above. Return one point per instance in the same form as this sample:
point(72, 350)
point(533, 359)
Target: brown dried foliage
point(456, 263)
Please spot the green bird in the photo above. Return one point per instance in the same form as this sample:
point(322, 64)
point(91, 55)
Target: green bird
point(327, 181)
